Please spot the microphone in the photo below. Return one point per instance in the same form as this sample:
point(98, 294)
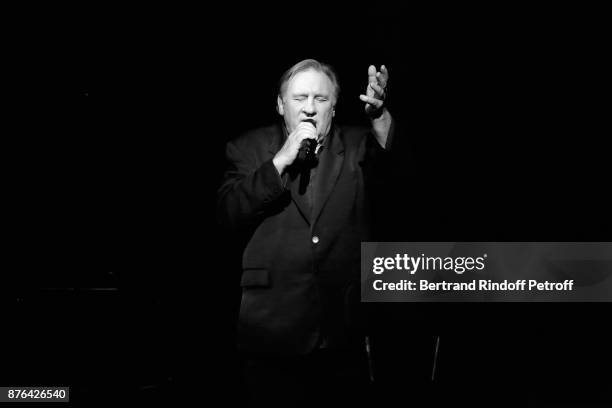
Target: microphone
point(307, 146)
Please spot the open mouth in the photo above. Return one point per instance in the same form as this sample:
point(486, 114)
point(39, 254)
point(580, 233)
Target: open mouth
point(314, 123)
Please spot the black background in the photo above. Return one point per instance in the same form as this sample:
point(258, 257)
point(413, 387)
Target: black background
point(505, 128)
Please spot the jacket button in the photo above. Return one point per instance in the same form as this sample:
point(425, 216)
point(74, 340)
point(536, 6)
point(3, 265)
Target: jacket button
point(315, 239)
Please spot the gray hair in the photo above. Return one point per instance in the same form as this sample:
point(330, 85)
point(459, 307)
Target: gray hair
point(306, 65)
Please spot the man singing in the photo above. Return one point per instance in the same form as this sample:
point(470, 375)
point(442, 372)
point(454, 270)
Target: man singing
point(298, 193)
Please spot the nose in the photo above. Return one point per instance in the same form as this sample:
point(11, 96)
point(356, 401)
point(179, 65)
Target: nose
point(309, 107)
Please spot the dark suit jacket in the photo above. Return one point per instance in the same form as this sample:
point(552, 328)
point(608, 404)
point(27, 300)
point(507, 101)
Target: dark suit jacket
point(301, 264)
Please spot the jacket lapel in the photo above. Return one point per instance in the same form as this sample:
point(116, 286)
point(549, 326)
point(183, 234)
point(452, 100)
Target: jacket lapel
point(298, 194)
point(328, 171)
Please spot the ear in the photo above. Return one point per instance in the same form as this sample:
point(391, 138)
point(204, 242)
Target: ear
point(333, 111)
point(279, 106)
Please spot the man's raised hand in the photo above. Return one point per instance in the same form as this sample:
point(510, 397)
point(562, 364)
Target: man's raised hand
point(376, 90)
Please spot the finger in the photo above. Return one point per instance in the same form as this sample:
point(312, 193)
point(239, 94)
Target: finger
point(371, 73)
point(302, 132)
point(306, 135)
point(306, 125)
point(384, 70)
point(381, 79)
point(377, 103)
point(311, 131)
point(382, 76)
point(307, 131)
point(379, 91)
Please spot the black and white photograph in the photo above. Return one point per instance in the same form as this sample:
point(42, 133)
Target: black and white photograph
point(305, 208)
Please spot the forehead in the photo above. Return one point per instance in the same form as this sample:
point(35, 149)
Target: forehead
point(310, 81)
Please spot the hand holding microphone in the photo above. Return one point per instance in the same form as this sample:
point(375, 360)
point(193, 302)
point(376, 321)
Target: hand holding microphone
point(307, 146)
point(301, 142)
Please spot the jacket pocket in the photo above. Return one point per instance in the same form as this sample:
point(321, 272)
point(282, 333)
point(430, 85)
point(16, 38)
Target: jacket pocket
point(255, 278)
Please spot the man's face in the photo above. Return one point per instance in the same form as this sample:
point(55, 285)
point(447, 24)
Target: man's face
point(309, 95)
